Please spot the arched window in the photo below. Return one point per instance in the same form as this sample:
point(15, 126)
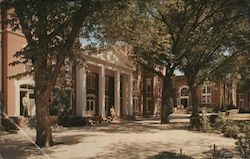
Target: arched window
point(184, 92)
point(90, 102)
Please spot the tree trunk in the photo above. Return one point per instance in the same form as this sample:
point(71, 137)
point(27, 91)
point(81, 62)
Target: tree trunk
point(166, 107)
point(42, 97)
point(195, 117)
point(43, 129)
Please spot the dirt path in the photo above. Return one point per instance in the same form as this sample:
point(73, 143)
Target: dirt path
point(126, 141)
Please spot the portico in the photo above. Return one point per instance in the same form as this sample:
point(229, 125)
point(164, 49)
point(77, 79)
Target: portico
point(106, 82)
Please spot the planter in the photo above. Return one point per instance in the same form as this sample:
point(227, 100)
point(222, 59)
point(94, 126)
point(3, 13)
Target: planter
point(9, 126)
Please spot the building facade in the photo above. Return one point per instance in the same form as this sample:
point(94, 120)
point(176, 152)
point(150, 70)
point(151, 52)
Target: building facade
point(13, 90)
point(106, 82)
point(209, 94)
point(110, 79)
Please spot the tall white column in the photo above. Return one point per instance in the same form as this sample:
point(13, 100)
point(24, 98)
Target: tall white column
point(80, 91)
point(117, 93)
point(234, 93)
point(130, 94)
point(101, 90)
point(124, 95)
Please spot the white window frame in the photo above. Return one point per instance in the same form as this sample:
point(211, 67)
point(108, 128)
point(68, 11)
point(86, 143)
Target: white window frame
point(146, 104)
point(206, 95)
point(91, 99)
point(148, 85)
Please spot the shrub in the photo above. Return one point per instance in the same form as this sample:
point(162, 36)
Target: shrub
point(216, 109)
point(231, 130)
point(73, 121)
point(223, 108)
point(213, 118)
point(216, 153)
point(230, 106)
point(60, 104)
point(243, 140)
point(196, 121)
point(206, 127)
point(243, 145)
point(165, 155)
point(244, 110)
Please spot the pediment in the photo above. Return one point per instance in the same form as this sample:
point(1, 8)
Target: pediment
point(116, 57)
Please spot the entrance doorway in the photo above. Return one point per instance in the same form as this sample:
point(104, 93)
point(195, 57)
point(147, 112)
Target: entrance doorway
point(184, 102)
point(184, 96)
point(24, 90)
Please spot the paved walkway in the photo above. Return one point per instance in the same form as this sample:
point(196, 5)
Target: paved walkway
point(136, 140)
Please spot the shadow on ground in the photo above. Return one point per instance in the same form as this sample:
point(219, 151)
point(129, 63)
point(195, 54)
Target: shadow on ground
point(25, 149)
point(10, 149)
point(135, 150)
point(132, 127)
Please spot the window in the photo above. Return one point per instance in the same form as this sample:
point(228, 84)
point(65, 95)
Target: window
point(136, 104)
point(91, 80)
point(206, 94)
point(148, 85)
point(184, 92)
point(90, 102)
point(106, 83)
point(148, 104)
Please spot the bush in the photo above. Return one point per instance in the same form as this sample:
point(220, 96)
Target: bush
point(213, 118)
point(223, 108)
point(73, 121)
point(243, 140)
point(231, 130)
point(244, 110)
point(231, 106)
point(216, 153)
point(206, 127)
point(165, 155)
point(216, 109)
point(196, 121)
point(60, 104)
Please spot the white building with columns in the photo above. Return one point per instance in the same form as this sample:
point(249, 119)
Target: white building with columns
point(106, 82)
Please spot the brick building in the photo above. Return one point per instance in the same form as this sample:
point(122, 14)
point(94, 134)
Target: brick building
point(13, 89)
point(110, 79)
point(209, 94)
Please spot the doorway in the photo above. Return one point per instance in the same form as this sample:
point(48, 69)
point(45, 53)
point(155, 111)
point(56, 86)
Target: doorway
point(184, 102)
point(27, 89)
